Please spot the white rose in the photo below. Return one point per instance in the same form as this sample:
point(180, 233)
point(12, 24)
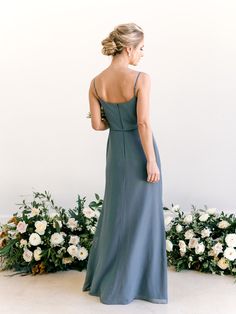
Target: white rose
point(211, 253)
point(230, 253)
point(211, 211)
point(169, 245)
point(182, 246)
point(223, 224)
point(189, 234)
point(192, 243)
point(37, 253)
point(27, 255)
point(179, 228)
point(205, 232)
point(73, 250)
point(217, 248)
point(35, 211)
point(74, 239)
point(21, 226)
point(23, 242)
point(56, 239)
point(188, 219)
point(83, 253)
point(88, 212)
point(230, 239)
point(199, 248)
point(204, 217)
point(34, 239)
point(72, 223)
point(222, 263)
point(40, 226)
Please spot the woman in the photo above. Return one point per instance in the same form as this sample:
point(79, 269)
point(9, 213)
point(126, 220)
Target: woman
point(127, 259)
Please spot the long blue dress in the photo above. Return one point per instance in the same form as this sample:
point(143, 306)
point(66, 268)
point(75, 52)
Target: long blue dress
point(127, 259)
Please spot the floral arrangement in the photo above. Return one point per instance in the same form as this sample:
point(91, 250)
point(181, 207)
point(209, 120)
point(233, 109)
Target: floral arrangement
point(203, 240)
point(43, 238)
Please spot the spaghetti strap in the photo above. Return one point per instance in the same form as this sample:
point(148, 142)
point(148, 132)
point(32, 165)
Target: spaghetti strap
point(95, 88)
point(136, 82)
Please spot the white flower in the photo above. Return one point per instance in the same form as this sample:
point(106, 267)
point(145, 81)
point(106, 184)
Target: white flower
point(59, 223)
point(34, 239)
point(211, 211)
point(40, 226)
point(93, 229)
point(74, 239)
point(88, 212)
point(169, 245)
point(189, 234)
point(192, 243)
point(179, 228)
point(72, 223)
point(188, 219)
point(67, 260)
point(222, 263)
point(27, 255)
point(204, 217)
point(199, 248)
point(73, 250)
point(56, 239)
point(83, 253)
point(212, 253)
point(35, 211)
point(23, 242)
point(230, 253)
point(230, 239)
point(217, 248)
point(37, 253)
point(223, 224)
point(205, 232)
point(21, 226)
point(182, 246)
point(168, 220)
point(175, 208)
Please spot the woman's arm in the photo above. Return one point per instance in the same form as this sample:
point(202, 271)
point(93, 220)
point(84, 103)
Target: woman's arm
point(143, 118)
point(95, 110)
point(103, 125)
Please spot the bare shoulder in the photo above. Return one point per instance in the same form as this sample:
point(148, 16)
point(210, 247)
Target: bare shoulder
point(145, 77)
point(144, 83)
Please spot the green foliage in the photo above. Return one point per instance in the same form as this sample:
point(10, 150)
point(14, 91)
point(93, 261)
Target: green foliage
point(75, 229)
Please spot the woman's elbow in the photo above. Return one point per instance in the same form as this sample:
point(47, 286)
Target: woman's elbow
point(95, 127)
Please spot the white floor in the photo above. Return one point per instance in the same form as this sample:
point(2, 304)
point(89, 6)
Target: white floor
point(190, 292)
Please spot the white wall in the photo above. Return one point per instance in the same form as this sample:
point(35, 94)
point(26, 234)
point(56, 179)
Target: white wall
point(50, 50)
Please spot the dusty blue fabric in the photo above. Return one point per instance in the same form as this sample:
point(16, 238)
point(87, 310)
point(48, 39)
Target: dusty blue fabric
point(127, 259)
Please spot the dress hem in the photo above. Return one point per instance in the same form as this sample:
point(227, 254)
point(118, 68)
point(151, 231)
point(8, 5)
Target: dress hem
point(138, 297)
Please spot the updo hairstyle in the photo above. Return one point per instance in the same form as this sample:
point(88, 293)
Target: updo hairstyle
point(122, 36)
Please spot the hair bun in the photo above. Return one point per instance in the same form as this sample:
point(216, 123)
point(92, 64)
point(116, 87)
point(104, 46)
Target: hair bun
point(121, 36)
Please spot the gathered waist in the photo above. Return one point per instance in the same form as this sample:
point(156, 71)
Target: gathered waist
point(124, 130)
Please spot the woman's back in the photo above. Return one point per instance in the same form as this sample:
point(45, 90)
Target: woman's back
point(116, 86)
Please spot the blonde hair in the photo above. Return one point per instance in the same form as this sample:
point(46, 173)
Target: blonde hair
point(122, 36)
